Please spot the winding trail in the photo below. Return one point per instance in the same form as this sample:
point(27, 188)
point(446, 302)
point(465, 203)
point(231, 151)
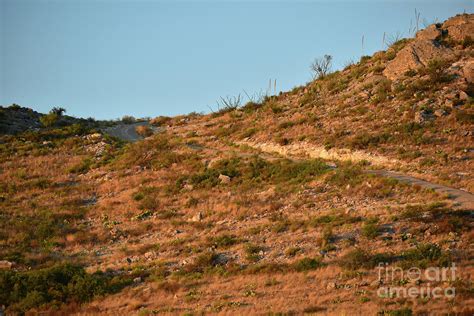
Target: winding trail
point(462, 199)
point(126, 132)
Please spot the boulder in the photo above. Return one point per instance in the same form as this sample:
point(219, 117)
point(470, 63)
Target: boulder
point(432, 33)
point(460, 27)
point(414, 55)
point(468, 71)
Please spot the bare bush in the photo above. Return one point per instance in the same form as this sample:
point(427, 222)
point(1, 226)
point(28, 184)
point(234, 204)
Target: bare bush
point(321, 66)
point(228, 104)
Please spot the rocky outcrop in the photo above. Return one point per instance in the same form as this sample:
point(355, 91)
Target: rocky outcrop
point(416, 54)
point(428, 45)
point(15, 119)
point(460, 27)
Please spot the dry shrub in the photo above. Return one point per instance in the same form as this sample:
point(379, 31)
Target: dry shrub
point(144, 130)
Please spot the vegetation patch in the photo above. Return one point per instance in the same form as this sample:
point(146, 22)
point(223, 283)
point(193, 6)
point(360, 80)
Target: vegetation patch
point(55, 286)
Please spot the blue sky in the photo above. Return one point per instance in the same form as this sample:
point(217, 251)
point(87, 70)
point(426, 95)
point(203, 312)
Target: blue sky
point(106, 59)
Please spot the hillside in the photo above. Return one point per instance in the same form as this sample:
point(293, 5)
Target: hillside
point(284, 205)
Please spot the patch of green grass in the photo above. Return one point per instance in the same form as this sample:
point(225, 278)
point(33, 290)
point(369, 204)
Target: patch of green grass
point(307, 264)
point(224, 241)
point(370, 230)
point(252, 252)
point(396, 312)
point(424, 255)
point(292, 251)
point(365, 140)
point(359, 258)
point(65, 283)
point(83, 167)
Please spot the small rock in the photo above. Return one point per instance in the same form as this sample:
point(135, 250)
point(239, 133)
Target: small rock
point(197, 217)
point(423, 116)
point(189, 187)
point(440, 112)
point(331, 285)
point(137, 280)
point(463, 96)
point(149, 254)
point(449, 103)
point(224, 179)
point(4, 264)
point(376, 283)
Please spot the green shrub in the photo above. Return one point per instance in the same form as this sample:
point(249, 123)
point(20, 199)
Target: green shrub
point(359, 258)
point(252, 252)
point(251, 106)
point(425, 254)
point(49, 120)
point(224, 241)
point(83, 167)
point(307, 264)
point(249, 132)
point(465, 116)
point(127, 119)
point(64, 283)
point(203, 263)
point(370, 230)
point(364, 140)
point(436, 70)
point(396, 312)
point(347, 174)
point(292, 251)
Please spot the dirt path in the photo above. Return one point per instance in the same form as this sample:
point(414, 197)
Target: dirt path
point(462, 199)
point(126, 132)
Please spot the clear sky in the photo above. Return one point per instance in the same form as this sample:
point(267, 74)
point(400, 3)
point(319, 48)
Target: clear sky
point(108, 58)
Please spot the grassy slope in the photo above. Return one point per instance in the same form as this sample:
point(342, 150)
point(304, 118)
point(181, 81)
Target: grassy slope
point(282, 235)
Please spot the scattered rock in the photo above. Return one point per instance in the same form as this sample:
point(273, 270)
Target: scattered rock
point(137, 280)
point(440, 112)
point(449, 103)
point(463, 96)
point(197, 218)
point(224, 179)
point(376, 283)
point(94, 136)
point(331, 285)
point(150, 255)
point(423, 116)
point(7, 265)
point(189, 187)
